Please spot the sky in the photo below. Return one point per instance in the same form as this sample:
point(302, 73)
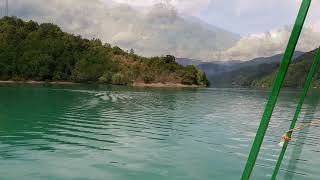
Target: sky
point(207, 30)
point(240, 16)
point(265, 26)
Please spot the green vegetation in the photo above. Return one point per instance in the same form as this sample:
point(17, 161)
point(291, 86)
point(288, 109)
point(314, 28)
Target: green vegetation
point(244, 76)
point(261, 72)
point(42, 52)
point(296, 75)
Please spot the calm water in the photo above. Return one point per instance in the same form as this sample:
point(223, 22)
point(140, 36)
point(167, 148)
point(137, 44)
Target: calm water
point(119, 133)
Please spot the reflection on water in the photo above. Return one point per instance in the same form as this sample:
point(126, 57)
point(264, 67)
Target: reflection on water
point(99, 132)
point(300, 140)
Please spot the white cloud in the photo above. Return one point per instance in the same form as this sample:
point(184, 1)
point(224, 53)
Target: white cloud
point(159, 31)
point(269, 43)
point(254, 16)
point(190, 7)
point(282, 8)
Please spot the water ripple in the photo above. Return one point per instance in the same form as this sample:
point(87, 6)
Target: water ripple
point(150, 133)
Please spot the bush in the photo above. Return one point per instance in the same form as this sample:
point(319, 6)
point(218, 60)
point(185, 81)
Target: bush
point(148, 78)
point(106, 78)
point(119, 79)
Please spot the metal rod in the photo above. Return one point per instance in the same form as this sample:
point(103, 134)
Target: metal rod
point(276, 89)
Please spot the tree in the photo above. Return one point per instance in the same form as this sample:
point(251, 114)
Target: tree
point(132, 52)
point(32, 51)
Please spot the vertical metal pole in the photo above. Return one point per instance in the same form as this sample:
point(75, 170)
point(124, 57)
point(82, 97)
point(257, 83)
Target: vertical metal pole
point(276, 89)
point(306, 87)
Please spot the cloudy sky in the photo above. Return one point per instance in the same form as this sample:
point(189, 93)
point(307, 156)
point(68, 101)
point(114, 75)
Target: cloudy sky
point(240, 16)
point(210, 30)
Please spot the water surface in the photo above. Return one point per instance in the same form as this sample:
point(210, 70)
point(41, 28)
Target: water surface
point(121, 133)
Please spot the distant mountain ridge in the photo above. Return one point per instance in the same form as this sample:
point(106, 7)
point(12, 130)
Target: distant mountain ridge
point(238, 73)
point(187, 61)
point(296, 75)
point(245, 73)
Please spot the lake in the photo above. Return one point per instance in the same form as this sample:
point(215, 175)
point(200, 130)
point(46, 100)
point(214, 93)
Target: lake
point(124, 133)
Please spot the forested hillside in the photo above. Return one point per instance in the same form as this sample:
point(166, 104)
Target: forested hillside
point(43, 52)
point(296, 75)
point(248, 73)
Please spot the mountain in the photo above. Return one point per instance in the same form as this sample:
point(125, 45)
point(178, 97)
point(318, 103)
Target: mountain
point(159, 30)
point(296, 75)
point(43, 52)
point(216, 68)
point(187, 61)
point(268, 60)
point(232, 74)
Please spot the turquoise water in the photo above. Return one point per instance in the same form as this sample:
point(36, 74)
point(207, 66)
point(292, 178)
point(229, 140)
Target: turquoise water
point(121, 133)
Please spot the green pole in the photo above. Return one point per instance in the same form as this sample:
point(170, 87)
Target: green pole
point(276, 89)
point(306, 87)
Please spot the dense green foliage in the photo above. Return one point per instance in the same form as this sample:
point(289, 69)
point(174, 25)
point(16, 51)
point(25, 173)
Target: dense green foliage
point(244, 76)
point(32, 51)
point(296, 75)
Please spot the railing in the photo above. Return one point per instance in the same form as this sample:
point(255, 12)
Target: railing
point(297, 28)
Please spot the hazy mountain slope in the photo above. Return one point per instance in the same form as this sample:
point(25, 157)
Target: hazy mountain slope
point(158, 31)
point(242, 74)
point(268, 60)
point(296, 74)
point(187, 61)
point(216, 68)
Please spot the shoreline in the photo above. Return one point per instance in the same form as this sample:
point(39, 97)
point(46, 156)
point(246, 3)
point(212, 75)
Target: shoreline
point(135, 84)
point(36, 82)
point(164, 85)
